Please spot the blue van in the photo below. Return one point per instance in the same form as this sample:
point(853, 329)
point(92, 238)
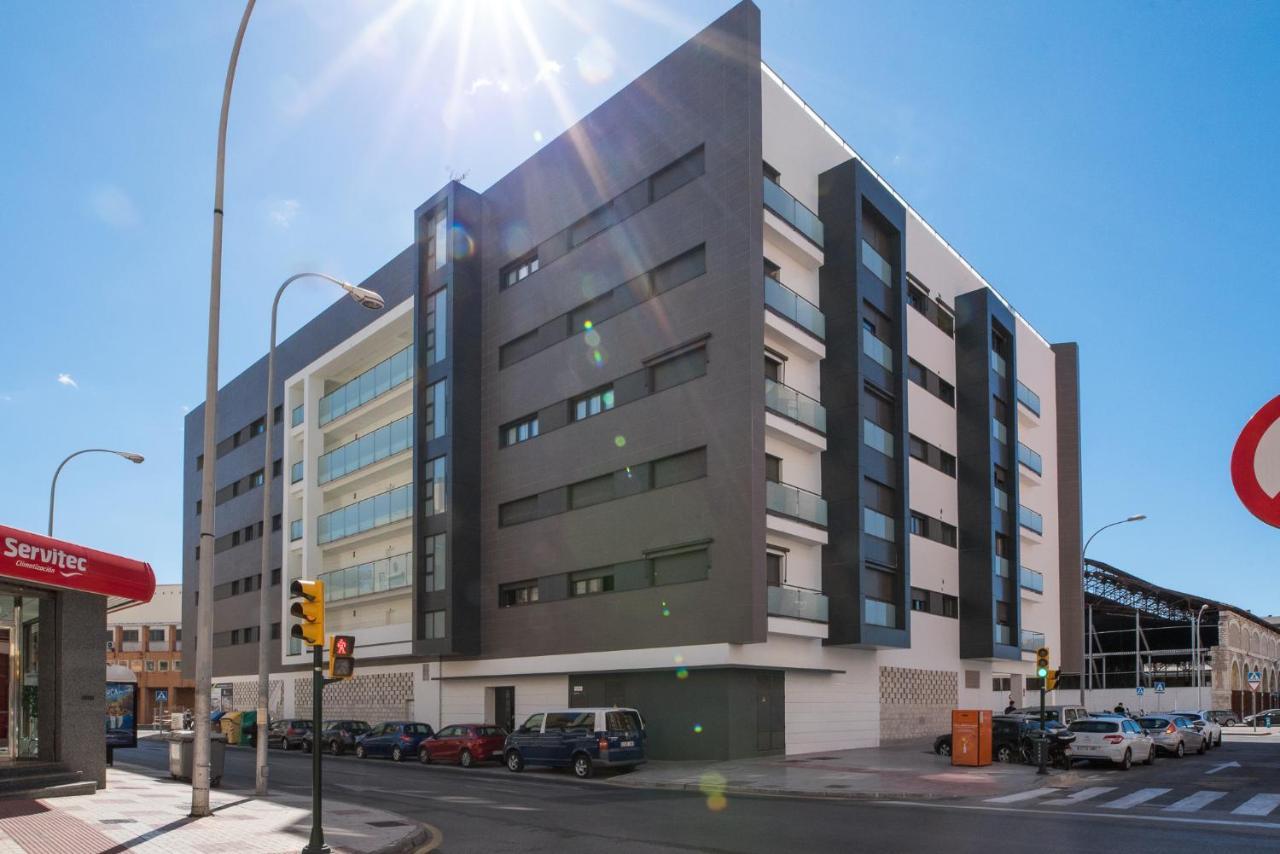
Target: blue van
point(581, 739)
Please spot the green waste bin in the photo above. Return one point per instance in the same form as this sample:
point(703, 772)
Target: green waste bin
point(249, 728)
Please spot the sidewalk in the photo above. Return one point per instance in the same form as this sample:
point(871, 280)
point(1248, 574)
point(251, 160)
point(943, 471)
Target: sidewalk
point(905, 771)
point(145, 813)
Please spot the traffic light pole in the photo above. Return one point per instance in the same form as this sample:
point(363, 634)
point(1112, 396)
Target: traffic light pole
point(1042, 751)
point(316, 845)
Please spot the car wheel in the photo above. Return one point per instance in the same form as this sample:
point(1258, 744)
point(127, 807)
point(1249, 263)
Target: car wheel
point(1219, 741)
point(582, 768)
point(465, 759)
point(515, 762)
point(1151, 756)
point(1180, 751)
point(396, 754)
point(360, 752)
point(1203, 750)
point(335, 747)
point(1229, 722)
point(284, 744)
point(1004, 753)
point(1127, 761)
point(944, 749)
point(306, 746)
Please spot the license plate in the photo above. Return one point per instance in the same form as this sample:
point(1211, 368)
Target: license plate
point(1085, 747)
point(497, 752)
point(627, 744)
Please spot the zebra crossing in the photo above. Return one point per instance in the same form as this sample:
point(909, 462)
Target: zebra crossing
point(1151, 799)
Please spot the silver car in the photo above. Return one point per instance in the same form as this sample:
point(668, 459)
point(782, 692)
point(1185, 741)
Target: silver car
point(1173, 734)
point(1201, 721)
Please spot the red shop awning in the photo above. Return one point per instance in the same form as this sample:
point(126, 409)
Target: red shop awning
point(56, 563)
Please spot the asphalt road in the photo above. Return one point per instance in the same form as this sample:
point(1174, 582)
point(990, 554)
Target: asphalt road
point(492, 810)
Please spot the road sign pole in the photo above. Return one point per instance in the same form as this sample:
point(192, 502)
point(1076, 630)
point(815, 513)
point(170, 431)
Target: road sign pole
point(316, 845)
point(1042, 749)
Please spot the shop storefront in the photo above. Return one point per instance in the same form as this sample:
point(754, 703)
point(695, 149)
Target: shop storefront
point(52, 622)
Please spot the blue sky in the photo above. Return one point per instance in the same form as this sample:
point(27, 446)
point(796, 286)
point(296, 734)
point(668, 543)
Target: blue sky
point(1108, 167)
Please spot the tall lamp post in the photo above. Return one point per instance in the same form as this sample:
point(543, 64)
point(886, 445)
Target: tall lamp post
point(1196, 651)
point(204, 561)
point(53, 487)
point(371, 300)
point(1084, 629)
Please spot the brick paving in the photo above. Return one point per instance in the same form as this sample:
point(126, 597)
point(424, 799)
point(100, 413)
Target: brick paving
point(148, 814)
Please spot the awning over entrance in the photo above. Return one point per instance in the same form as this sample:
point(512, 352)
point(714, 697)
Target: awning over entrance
point(55, 563)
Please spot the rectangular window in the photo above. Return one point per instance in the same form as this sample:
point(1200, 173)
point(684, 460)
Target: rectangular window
point(682, 567)
point(591, 581)
point(129, 636)
point(675, 176)
point(772, 468)
point(433, 571)
point(518, 431)
point(155, 635)
point(878, 524)
point(519, 348)
point(437, 418)
point(931, 382)
point(1001, 684)
point(518, 511)
point(679, 468)
point(258, 427)
point(433, 624)
point(880, 352)
point(520, 593)
point(594, 491)
point(519, 270)
point(932, 456)
point(592, 403)
point(592, 224)
point(933, 529)
point(436, 323)
point(773, 567)
point(433, 486)
point(164, 665)
point(299, 413)
point(877, 438)
point(677, 369)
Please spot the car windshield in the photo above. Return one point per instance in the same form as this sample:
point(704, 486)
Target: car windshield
point(1094, 726)
point(1153, 723)
point(1191, 716)
point(484, 731)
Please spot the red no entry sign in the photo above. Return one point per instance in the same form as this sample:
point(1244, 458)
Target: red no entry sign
point(1255, 464)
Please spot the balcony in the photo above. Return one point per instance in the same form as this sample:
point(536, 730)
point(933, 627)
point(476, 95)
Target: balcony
point(1031, 641)
point(999, 364)
point(1001, 566)
point(999, 431)
point(880, 613)
point(1004, 634)
point(794, 405)
point(297, 416)
point(1030, 519)
point(879, 351)
point(387, 441)
point(797, 603)
point(795, 503)
point(295, 530)
point(787, 303)
point(793, 212)
point(874, 261)
point(371, 384)
point(372, 512)
point(1028, 398)
point(295, 472)
point(1031, 580)
point(1030, 459)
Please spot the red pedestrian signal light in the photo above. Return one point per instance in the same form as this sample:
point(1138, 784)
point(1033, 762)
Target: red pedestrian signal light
point(342, 662)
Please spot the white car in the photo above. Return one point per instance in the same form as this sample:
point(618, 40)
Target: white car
point(1118, 741)
point(1201, 721)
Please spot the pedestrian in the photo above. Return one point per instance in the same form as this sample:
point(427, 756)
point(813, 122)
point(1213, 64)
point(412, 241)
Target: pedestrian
point(1011, 708)
point(1119, 708)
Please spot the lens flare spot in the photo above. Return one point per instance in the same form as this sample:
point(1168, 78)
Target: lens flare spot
point(628, 471)
point(666, 612)
point(592, 338)
point(697, 729)
point(716, 803)
point(620, 441)
point(537, 136)
point(587, 324)
point(463, 245)
point(679, 658)
point(682, 673)
point(712, 785)
point(597, 357)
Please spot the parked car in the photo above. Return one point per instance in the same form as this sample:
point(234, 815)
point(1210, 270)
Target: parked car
point(1267, 717)
point(1202, 722)
point(581, 739)
point(288, 733)
point(337, 736)
point(1117, 740)
point(1173, 735)
point(396, 739)
point(466, 744)
point(1224, 717)
point(1063, 714)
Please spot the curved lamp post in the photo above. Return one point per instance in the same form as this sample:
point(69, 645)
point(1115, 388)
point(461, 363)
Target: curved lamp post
point(53, 487)
point(1084, 629)
point(370, 300)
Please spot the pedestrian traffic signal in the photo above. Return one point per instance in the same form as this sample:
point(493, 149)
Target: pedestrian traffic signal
point(342, 656)
point(309, 609)
point(1051, 681)
point(1042, 662)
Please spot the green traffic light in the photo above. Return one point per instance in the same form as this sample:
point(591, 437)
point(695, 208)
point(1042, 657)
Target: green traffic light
point(1042, 672)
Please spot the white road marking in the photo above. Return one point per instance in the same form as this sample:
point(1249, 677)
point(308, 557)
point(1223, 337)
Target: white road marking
point(461, 799)
point(1222, 767)
point(1192, 803)
point(1258, 805)
point(1078, 797)
point(1020, 796)
point(516, 808)
point(1134, 798)
point(1117, 816)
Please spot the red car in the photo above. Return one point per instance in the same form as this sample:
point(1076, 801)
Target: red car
point(465, 744)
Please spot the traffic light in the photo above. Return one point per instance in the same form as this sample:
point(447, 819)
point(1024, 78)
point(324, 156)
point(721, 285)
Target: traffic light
point(1051, 681)
point(342, 660)
point(309, 609)
point(1042, 662)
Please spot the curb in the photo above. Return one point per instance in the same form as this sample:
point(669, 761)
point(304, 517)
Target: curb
point(752, 791)
point(425, 838)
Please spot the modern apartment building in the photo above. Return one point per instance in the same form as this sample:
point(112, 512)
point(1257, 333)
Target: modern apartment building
point(691, 412)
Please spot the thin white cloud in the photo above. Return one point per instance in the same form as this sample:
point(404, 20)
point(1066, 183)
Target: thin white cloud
point(547, 69)
point(283, 212)
point(65, 379)
point(185, 409)
point(478, 84)
point(596, 61)
point(112, 205)
point(4, 398)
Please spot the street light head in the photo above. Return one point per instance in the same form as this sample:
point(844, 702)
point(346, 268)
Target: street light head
point(369, 299)
point(133, 458)
point(1137, 517)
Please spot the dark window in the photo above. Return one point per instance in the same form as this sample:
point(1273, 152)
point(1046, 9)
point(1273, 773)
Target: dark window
point(519, 348)
point(772, 174)
point(275, 576)
point(931, 382)
point(678, 369)
point(520, 593)
point(277, 414)
point(155, 635)
point(520, 510)
point(257, 428)
point(772, 270)
point(277, 467)
point(681, 567)
point(235, 587)
point(592, 403)
point(589, 314)
point(933, 602)
point(772, 468)
point(680, 468)
point(676, 175)
point(772, 368)
point(773, 562)
point(276, 522)
point(591, 581)
point(592, 224)
point(235, 636)
point(918, 299)
point(519, 270)
point(275, 631)
point(594, 491)
point(933, 529)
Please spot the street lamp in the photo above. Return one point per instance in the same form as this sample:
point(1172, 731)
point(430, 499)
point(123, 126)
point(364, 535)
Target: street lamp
point(1084, 630)
point(370, 300)
point(1195, 651)
point(53, 487)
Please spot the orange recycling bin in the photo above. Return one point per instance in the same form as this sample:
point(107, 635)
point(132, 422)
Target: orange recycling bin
point(970, 736)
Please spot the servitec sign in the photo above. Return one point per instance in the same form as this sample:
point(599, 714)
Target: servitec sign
point(29, 557)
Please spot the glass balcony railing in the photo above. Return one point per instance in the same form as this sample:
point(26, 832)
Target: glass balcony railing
point(378, 576)
point(373, 512)
point(881, 613)
point(879, 351)
point(999, 364)
point(295, 530)
point(1028, 398)
point(1002, 500)
point(295, 472)
point(375, 382)
point(874, 261)
point(787, 500)
point(1030, 459)
point(1004, 634)
point(875, 436)
point(1031, 641)
point(1030, 519)
point(297, 416)
point(387, 441)
point(1031, 580)
point(795, 405)
point(1000, 431)
point(1002, 566)
point(786, 206)
point(879, 525)
point(789, 304)
point(798, 604)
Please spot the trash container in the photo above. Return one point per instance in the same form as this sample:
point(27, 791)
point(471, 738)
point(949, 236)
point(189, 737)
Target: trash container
point(971, 737)
point(182, 755)
point(230, 724)
point(249, 728)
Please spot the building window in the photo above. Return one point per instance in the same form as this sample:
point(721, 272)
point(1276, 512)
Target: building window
point(775, 567)
point(519, 431)
point(235, 637)
point(155, 635)
point(255, 479)
point(435, 340)
point(1003, 684)
point(931, 382)
point(773, 367)
point(164, 665)
point(151, 665)
point(433, 569)
point(932, 456)
point(275, 631)
point(877, 515)
point(933, 529)
point(258, 427)
point(519, 270)
point(772, 468)
point(590, 582)
point(875, 347)
point(520, 593)
point(676, 175)
point(769, 172)
point(433, 624)
point(676, 369)
point(298, 414)
point(518, 511)
point(592, 403)
point(931, 309)
point(433, 486)
point(129, 636)
point(934, 602)
point(436, 413)
point(436, 233)
point(275, 576)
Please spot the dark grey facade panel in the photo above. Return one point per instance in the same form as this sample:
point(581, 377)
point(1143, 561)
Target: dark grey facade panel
point(1070, 505)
